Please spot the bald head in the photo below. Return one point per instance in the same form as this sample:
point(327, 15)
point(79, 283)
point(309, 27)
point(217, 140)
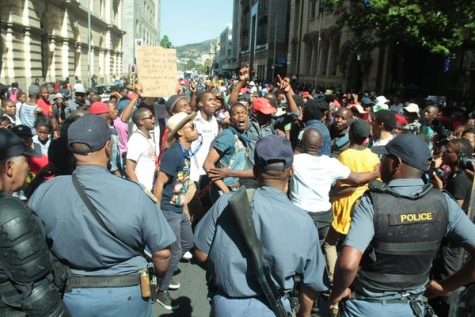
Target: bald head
point(311, 141)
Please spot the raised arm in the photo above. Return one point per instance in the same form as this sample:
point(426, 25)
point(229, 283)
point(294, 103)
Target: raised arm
point(243, 78)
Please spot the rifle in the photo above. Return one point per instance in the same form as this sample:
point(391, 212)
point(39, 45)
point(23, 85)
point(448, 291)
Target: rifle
point(241, 211)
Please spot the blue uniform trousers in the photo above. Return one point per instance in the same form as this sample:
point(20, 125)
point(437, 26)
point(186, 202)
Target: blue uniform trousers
point(105, 302)
point(238, 307)
point(358, 307)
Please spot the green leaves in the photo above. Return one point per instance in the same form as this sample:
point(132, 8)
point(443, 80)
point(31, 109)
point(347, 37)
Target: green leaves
point(440, 26)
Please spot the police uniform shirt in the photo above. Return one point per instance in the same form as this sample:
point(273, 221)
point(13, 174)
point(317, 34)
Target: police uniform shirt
point(288, 236)
point(460, 231)
point(80, 240)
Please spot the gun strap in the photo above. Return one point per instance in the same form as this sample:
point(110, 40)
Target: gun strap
point(90, 206)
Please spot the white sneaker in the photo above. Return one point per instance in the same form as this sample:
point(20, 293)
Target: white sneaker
point(187, 256)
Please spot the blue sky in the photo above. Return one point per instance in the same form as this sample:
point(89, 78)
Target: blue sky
point(194, 21)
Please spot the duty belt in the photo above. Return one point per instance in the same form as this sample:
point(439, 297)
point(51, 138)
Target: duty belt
point(418, 302)
point(102, 281)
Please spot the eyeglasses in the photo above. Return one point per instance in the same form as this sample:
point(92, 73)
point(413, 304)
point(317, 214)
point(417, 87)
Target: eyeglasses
point(148, 118)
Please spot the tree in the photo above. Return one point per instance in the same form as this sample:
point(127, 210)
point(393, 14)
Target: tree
point(190, 65)
point(202, 69)
point(165, 42)
point(440, 26)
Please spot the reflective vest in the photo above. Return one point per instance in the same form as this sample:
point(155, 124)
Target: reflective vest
point(408, 232)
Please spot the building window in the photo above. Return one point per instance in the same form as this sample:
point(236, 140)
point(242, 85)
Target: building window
point(262, 22)
point(333, 57)
point(312, 11)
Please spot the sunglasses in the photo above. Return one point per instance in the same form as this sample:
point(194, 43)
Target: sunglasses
point(148, 118)
point(191, 126)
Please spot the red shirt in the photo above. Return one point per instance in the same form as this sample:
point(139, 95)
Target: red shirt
point(45, 107)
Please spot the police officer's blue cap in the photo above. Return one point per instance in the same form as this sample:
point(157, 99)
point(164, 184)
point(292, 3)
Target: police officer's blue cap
point(90, 130)
point(272, 150)
point(409, 148)
point(12, 145)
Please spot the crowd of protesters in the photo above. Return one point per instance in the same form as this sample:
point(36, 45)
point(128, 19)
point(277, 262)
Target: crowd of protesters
point(194, 146)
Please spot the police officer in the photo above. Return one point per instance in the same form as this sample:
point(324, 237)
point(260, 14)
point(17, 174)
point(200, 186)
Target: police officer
point(25, 265)
point(287, 234)
point(395, 232)
point(102, 241)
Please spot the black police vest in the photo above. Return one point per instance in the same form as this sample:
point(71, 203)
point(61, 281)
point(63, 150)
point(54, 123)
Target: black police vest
point(408, 232)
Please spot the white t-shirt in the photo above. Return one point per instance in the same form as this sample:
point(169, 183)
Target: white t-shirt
point(142, 150)
point(313, 176)
point(381, 142)
point(44, 147)
point(208, 130)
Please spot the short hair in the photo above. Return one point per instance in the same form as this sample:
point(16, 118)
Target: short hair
point(237, 104)
point(386, 117)
point(7, 101)
point(43, 121)
point(463, 147)
point(201, 95)
point(138, 114)
point(469, 130)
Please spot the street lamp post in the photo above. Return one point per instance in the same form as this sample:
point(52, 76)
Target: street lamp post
point(134, 31)
point(319, 40)
point(275, 46)
point(89, 38)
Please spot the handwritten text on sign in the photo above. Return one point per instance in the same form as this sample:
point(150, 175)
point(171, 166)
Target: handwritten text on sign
point(157, 71)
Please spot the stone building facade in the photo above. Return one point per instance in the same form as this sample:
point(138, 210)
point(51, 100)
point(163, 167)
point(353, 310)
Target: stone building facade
point(320, 52)
point(147, 27)
point(263, 37)
point(225, 57)
point(48, 40)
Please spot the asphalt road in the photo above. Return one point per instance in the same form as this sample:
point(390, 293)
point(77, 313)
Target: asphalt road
point(192, 293)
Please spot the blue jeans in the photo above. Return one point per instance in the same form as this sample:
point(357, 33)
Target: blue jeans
point(181, 227)
point(105, 302)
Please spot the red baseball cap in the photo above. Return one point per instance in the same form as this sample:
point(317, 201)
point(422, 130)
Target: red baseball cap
point(98, 108)
point(263, 105)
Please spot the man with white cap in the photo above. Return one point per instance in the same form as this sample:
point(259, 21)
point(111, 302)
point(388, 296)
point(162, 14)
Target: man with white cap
point(411, 111)
point(79, 100)
point(381, 103)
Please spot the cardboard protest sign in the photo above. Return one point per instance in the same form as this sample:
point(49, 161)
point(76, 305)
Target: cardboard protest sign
point(157, 70)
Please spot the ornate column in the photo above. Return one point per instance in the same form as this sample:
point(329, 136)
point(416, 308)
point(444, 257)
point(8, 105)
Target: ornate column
point(27, 55)
point(77, 59)
point(52, 48)
point(10, 61)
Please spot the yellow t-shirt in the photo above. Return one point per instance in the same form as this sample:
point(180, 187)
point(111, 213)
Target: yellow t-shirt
point(357, 161)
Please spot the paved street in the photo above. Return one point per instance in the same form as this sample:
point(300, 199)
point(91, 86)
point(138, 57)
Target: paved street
point(191, 296)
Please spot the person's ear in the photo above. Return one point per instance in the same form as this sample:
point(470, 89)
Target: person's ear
point(8, 167)
point(397, 163)
point(108, 148)
point(291, 171)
